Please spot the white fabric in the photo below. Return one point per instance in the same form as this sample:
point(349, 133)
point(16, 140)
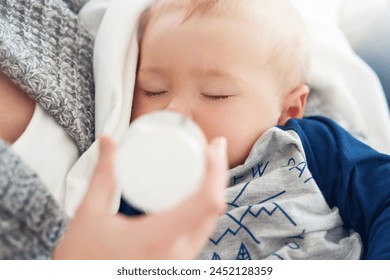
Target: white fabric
point(46, 148)
point(115, 61)
point(337, 73)
point(343, 80)
point(357, 17)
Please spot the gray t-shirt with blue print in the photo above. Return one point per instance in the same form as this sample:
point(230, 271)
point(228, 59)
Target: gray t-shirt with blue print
point(276, 210)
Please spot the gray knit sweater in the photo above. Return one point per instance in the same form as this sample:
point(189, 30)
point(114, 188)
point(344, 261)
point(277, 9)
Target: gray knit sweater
point(46, 52)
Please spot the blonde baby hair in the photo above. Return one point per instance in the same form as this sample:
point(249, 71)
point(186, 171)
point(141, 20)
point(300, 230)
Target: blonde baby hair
point(282, 30)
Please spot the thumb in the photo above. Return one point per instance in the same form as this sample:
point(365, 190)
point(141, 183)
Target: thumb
point(102, 183)
point(209, 200)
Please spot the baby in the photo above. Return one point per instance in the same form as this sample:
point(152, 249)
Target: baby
point(299, 187)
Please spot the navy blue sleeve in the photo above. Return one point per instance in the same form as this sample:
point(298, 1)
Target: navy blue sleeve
point(353, 177)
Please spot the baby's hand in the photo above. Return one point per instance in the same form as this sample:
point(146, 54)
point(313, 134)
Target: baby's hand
point(180, 233)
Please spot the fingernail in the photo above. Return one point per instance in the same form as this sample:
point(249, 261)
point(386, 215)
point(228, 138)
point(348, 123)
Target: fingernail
point(220, 144)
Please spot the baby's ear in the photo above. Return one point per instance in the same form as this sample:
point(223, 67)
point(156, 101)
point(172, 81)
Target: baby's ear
point(294, 104)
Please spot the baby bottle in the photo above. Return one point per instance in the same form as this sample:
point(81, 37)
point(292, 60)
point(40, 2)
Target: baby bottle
point(161, 161)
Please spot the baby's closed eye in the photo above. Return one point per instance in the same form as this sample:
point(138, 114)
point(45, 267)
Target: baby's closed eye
point(216, 97)
point(154, 93)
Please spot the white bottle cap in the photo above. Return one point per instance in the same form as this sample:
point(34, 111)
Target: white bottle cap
point(161, 161)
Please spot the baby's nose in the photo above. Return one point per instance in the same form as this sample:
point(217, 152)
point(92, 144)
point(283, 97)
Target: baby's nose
point(181, 106)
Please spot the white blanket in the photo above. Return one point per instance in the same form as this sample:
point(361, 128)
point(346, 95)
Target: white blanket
point(343, 85)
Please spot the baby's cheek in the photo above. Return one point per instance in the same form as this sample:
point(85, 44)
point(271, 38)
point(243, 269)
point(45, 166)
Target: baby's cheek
point(139, 108)
point(240, 144)
point(236, 148)
point(237, 152)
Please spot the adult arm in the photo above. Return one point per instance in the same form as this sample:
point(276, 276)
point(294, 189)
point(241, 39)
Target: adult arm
point(96, 233)
point(75, 5)
point(353, 177)
point(48, 54)
point(31, 223)
point(32, 226)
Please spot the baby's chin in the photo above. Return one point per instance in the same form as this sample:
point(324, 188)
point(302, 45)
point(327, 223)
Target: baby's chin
point(237, 160)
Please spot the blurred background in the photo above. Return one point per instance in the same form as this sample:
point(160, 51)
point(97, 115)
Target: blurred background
point(374, 48)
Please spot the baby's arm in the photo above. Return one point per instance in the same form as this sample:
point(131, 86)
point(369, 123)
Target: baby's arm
point(352, 177)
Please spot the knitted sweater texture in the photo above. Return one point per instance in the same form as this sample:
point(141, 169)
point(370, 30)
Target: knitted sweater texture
point(45, 51)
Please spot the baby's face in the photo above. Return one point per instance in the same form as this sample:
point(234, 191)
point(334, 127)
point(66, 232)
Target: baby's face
point(210, 71)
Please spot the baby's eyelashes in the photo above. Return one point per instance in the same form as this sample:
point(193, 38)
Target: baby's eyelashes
point(208, 96)
point(154, 94)
point(216, 97)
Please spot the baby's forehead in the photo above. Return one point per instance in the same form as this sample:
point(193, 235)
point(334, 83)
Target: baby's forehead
point(264, 17)
point(257, 20)
point(248, 13)
point(277, 25)
point(207, 8)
